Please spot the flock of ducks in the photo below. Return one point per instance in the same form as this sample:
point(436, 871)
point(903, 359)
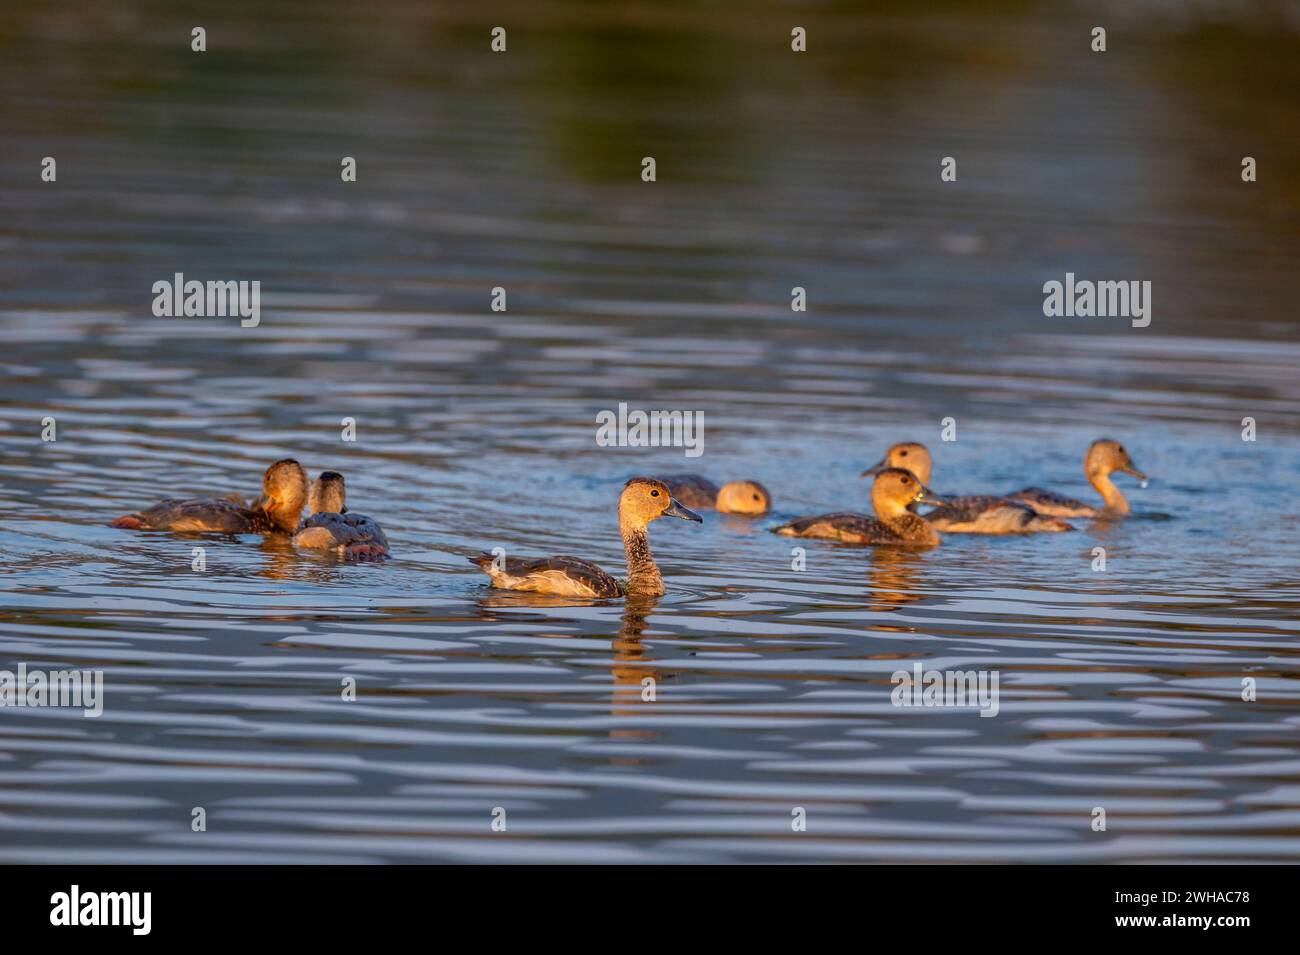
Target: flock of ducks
point(899, 488)
point(285, 490)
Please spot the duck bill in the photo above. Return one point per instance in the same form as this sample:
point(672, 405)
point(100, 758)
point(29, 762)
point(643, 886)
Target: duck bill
point(929, 497)
point(269, 504)
point(675, 509)
point(875, 468)
point(1135, 472)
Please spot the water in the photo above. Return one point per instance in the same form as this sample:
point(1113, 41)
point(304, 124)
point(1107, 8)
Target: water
point(1119, 689)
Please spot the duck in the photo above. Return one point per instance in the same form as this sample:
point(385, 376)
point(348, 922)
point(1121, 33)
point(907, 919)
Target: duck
point(968, 513)
point(332, 526)
point(1104, 456)
point(284, 491)
point(892, 493)
point(643, 500)
point(736, 497)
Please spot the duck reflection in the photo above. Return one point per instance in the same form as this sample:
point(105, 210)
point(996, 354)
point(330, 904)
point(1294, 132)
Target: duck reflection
point(632, 667)
point(892, 576)
point(635, 677)
point(522, 600)
point(283, 562)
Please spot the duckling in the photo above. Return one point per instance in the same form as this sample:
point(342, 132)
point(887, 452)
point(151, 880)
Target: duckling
point(736, 497)
point(1104, 456)
point(284, 490)
point(894, 490)
point(969, 513)
point(332, 526)
point(643, 500)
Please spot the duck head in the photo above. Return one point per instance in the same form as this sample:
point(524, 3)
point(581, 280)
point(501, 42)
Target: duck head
point(328, 494)
point(909, 456)
point(646, 499)
point(284, 491)
point(895, 489)
point(744, 497)
point(1105, 456)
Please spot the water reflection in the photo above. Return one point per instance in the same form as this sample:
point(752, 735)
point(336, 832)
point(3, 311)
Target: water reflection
point(892, 577)
point(776, 169)
point(636, 679)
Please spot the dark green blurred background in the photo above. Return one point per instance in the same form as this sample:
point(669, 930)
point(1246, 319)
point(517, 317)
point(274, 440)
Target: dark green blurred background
point(775, 168)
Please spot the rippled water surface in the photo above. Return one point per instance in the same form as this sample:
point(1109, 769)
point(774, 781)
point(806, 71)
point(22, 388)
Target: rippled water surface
point(1120, 688)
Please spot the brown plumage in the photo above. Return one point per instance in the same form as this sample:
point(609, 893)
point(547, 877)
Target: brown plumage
point(284, 490)
point(561, 575)
point(643, 500)
point(988, 514)
point(735, 497)
point(968, 513)
point(1104, 457)
point(891, 493)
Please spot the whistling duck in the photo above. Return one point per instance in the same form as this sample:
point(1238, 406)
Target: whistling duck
point(968, 513)
point(332, 526)
point(1103, 457)
point(736, 497)
point(892, 493)
point(643, 500)
point(284, 490)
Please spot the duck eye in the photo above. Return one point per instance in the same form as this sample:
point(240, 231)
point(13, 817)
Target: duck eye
point(654, 493)
point(756, 497)
point(902, 454)
point(907, 480)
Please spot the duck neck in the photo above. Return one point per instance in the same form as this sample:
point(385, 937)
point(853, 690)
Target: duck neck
point(325, 502)
point(284, 516)
point(642, 572)
point(1116, 503)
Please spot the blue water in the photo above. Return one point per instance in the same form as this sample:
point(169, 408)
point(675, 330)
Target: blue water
point(1119, 689)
